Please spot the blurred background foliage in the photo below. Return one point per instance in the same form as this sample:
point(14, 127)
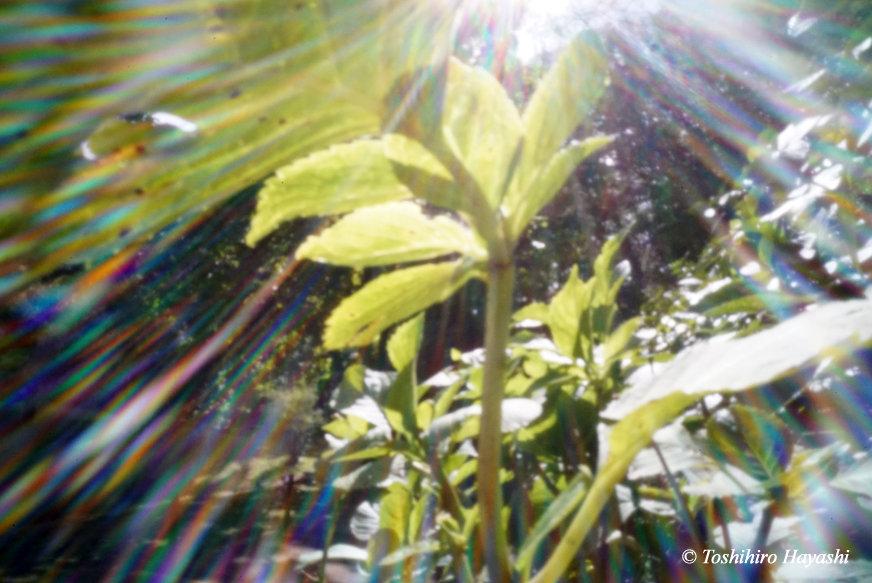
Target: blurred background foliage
point(137, 327)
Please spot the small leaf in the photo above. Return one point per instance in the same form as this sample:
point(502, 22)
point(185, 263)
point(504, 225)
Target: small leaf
point(607, 281)
point(564, 313)
point(424, 415)
point(618, 339)
point(345, 428)
point(554, 515)
point(337, 180)
point(469, 468)
point(561, 102)
point(524, 201)
point(443, 403)
point(367, 454)
point(393, 520)
point(405, 341)
point(482, 127)
point(399, 406)
point(392, 298)
point(420, 510)
point(389, 233)
point(535, 311)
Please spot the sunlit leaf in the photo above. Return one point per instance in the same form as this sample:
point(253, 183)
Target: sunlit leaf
point(422, 172)
point(399, 405)
point(607, 281)
point(393, 521)
point(389, 233)
point(481, 126)
point(739, 364)
point(564, 313)
point(366, 454)
point(350, 427)
point(446, 398)
point(562, 100)
point(392, 298)
point(618, 339)
point(424, 415)
point(525, 200)
point(533, 311)
point(337, 180)
point(404, 342)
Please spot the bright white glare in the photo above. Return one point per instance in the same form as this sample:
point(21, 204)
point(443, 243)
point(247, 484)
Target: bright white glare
point(548, 25)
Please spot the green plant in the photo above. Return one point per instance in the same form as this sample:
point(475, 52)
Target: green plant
point(491, 166)
point(484, 171)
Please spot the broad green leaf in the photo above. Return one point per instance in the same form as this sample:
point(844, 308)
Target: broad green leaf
point(337, 180)
point(422, 172)
point(714, 367)
point(405, 341)
point(567, 501)
point(409, 153)
point(743, 363)
point(481, 127)
point(564, 313)
point(561, 102)
point(389, 233)
point(524, 201)
point(392, 298)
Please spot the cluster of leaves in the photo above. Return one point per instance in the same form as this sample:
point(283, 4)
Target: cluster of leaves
point(573, 410)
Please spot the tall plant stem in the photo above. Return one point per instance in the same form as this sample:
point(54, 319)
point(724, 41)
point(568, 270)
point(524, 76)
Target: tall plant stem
point(501, 283)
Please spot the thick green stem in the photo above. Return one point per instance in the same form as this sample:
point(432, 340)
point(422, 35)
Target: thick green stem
point(501, 282)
